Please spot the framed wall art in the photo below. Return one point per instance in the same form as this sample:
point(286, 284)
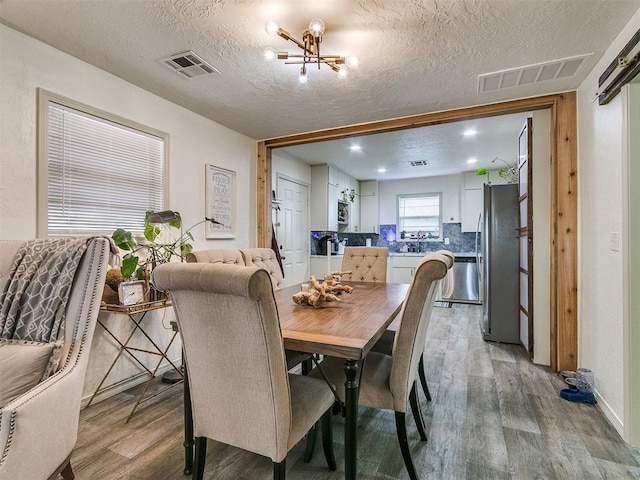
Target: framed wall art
point(220, 191)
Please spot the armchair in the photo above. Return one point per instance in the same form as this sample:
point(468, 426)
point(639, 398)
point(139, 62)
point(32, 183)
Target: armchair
point(39, 428)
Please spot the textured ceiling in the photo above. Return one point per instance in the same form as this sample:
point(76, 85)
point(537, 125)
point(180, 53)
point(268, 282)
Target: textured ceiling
point(416, 56)
point(444, 148)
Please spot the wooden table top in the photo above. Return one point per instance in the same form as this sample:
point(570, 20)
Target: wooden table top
point(344, 329)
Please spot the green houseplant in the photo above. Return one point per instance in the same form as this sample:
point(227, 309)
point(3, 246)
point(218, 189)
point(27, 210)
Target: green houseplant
point(348, 194)
point(509, 172)
point(142, 257)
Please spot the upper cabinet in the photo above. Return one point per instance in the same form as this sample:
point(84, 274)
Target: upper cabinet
point(471, 200)
point(369, 206)
point(333, 205)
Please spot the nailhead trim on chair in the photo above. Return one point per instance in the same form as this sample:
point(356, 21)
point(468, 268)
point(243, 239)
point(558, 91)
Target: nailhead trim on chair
point(12, 428)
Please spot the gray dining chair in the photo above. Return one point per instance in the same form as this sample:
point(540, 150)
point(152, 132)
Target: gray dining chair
point(241, 392)
point(385, 343)
point(388, 381)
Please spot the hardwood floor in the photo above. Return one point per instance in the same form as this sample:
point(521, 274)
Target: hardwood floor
point(494, 416)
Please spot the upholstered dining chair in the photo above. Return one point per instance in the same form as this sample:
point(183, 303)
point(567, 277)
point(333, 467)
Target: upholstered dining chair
point(388, 381)
point(39, 420)
point(265, 258)
point(385, 343)
point(367, 264)
point(241, 392)
point(256, 257)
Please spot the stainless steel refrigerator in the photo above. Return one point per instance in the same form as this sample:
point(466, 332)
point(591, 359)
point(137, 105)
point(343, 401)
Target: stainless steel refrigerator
point(500, 265)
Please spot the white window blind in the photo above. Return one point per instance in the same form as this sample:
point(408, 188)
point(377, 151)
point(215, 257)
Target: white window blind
point(101, 175)
point(420, 213)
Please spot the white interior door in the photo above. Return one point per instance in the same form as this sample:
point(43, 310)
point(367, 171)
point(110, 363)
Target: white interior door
point(292, 229)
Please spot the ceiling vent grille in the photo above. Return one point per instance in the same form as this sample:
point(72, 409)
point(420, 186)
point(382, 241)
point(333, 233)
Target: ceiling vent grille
point(541, 72)
point(189, 65)
point(419, 163)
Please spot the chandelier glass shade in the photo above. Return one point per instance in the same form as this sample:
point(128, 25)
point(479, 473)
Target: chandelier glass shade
point(310, 46)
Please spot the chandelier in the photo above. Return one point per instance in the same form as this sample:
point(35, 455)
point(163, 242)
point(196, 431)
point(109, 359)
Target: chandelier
point(310, 46)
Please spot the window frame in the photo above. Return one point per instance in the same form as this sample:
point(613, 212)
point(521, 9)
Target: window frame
point(44, 98)
point(399, 197)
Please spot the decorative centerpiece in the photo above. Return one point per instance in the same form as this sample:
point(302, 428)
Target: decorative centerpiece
point(317, 293)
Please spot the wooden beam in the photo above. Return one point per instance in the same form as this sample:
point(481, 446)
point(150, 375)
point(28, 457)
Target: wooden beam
point(564, 211)
point(264, 196)
point(565, 237)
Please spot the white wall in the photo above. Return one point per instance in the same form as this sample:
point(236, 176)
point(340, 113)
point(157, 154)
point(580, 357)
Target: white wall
point(449, 185)
point(284, 164)
point(27, 64)
point(601, 198)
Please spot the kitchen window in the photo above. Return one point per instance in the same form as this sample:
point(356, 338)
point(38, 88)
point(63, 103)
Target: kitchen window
point(97, 172)
point(420, 215)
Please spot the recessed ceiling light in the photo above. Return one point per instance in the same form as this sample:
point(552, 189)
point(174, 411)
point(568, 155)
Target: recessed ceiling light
point(470, 132)
point(382, 170)
point(355, 148)
point(472, 160)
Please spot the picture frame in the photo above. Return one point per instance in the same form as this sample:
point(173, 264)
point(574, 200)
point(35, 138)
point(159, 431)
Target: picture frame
point(220, 193)
point(132, 292)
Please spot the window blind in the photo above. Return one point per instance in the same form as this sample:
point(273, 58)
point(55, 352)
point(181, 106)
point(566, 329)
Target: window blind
point(101, 175)
point(419, 213)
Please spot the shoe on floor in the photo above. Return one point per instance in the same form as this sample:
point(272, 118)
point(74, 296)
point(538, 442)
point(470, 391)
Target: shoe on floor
point(575, 395)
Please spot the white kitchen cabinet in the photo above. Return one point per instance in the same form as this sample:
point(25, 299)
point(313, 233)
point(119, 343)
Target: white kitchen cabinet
point(369, 206)
point(471, 209)
point(327, 185)
point(403, 268)
point(354, 221)
point(324, 198)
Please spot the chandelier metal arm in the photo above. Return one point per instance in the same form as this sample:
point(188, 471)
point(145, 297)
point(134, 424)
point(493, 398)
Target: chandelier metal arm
point(310, 46)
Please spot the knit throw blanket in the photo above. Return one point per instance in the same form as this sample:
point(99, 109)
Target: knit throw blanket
point(34, 299)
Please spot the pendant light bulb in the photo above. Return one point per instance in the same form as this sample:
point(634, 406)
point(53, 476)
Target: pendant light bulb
point(269, 53)
point(316, 27)
point(272, 27)
point(302, 77)
point(342, 73)
point(351, 61)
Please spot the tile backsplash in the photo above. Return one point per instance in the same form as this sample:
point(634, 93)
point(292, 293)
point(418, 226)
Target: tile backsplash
point(459, 241)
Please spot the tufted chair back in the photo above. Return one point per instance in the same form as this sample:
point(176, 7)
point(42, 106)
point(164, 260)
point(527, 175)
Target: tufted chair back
point(216, 255)
point(368, 264)
point(265, 258)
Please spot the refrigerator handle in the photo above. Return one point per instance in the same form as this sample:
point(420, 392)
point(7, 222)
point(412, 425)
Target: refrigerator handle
point(477, 232)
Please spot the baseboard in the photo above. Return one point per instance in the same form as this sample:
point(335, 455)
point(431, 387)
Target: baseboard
point(609, 414)
point(126, 384)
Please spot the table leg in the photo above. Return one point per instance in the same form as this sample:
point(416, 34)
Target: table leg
point(188, 424)
point(351, 390)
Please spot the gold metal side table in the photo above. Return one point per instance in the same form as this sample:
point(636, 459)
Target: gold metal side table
point(136, 314)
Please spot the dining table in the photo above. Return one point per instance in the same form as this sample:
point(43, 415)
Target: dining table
point(347, 328)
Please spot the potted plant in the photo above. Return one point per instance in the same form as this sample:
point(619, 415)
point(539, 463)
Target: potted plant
point(142, 257)
point(509, 172)
point(348, 195)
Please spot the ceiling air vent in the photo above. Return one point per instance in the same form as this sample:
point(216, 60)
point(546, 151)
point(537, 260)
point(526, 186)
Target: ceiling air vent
point(541, 72)
point(419, 163)
point(189, 65)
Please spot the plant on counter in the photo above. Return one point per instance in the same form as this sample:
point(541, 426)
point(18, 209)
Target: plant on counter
point(141, 258)
point(348, 195)
point(509, 172)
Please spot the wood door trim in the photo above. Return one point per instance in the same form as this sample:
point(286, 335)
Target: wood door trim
point(564, 208)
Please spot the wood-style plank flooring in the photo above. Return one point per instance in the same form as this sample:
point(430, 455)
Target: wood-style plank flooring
point(494, 416)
